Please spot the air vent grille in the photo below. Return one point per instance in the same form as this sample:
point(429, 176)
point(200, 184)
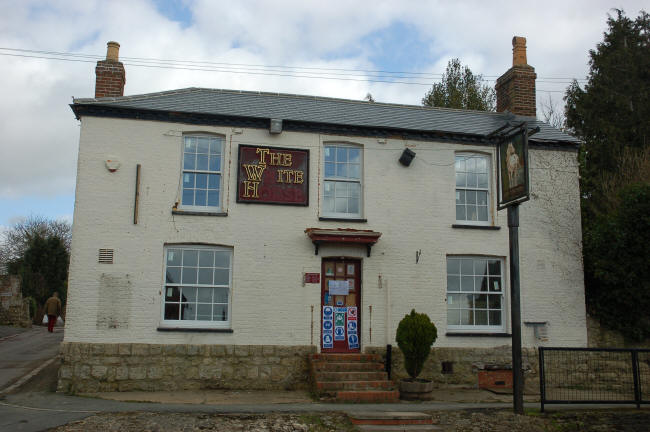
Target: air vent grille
point(106, 256)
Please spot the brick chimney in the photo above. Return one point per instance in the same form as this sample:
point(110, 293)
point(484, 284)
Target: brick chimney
point(110, 73)
point(516, 88)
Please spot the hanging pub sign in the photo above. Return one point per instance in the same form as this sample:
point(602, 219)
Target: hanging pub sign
point(512, 169)
point(273, 175)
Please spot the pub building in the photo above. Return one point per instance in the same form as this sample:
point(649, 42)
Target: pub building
point(225, 239)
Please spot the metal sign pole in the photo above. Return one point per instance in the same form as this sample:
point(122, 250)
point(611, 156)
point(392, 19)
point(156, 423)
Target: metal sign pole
point(515, 312)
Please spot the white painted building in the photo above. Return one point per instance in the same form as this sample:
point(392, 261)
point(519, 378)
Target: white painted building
point(164, 251)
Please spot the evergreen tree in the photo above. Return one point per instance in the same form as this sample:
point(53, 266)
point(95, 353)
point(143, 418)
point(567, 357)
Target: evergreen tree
point(460, 88)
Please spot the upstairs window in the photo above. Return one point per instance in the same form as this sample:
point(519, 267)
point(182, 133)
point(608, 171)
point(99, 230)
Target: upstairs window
point(201, 174)
point(472, 188)
point(342, 183)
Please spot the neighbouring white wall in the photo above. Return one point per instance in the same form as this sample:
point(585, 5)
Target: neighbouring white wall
point(412, 207)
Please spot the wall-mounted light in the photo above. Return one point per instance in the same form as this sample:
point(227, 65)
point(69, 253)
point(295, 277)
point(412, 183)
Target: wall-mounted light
point(276, 126)
point(407, 157)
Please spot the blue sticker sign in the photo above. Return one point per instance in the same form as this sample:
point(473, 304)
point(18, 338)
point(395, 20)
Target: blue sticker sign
point(327, 325)
point(328, 312)
point(352, 326)
point(339, 333)
point(327, 341)
point(353, 341)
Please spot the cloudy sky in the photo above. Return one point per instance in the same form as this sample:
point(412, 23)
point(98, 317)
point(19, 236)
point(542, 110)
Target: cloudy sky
point(38, 145)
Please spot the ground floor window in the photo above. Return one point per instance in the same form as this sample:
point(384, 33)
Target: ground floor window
point(475, 294)
point(197, 285)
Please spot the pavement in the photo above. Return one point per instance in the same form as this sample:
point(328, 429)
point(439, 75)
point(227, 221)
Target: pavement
point(23, 350)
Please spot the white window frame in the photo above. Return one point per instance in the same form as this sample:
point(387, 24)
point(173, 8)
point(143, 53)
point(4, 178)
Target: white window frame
point(199, 208)
point(488, 189)
point(335, 179)
point(501, 328)
point(176, 323)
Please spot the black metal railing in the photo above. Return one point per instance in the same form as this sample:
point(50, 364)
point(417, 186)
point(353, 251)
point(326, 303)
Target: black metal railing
point(594, 375)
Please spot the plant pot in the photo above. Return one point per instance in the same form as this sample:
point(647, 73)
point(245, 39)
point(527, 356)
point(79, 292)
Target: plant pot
point(415, 389)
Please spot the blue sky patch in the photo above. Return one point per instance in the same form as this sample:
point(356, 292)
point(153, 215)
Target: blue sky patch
point(175, 10)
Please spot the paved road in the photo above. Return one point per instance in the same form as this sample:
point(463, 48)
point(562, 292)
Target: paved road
point(22, 352)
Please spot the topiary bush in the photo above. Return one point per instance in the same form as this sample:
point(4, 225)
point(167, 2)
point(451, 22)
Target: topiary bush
point(415, 335)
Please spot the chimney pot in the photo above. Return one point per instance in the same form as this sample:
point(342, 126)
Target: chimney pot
point(518, 51)
point(112, 51)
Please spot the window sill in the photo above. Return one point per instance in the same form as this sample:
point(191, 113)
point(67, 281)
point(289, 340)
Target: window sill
point(473, 334)
point(195, 329)
point(198, 213)
point(478, 227)
point(340, 219)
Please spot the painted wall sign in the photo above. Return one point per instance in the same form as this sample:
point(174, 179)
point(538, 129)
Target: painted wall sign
point(273, 175)
point(312, 277)
point(512, 163)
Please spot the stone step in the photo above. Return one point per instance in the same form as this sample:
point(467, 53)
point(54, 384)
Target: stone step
point(390, 418)
point(347, 366)
point(367, 396)
point(333, 386)
point(350, 376)
point(398, 428)
point(354, 357)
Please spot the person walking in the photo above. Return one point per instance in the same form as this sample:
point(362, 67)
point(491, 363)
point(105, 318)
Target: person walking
point(53, 310)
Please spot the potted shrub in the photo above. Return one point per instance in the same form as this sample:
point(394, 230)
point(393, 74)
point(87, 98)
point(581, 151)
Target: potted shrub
point(415, 335)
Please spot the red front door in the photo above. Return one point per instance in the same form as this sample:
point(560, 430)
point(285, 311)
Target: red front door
point(341, 305)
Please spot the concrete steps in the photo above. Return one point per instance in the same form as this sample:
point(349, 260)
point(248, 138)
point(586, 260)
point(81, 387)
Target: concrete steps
point(392, 421)
point(351, 378)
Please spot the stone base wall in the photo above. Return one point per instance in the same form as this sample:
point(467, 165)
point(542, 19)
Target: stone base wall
point(89, 367)
point(465, 365)
point(602, 337)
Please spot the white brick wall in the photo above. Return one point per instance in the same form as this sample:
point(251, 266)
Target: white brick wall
point(413, 207)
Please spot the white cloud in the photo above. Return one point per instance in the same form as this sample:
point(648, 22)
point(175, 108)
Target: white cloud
point(40, 136)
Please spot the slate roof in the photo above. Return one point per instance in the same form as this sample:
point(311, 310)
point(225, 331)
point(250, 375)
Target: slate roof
point(322, 110)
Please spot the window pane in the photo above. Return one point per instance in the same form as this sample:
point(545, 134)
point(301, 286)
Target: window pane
point(341, 154)
point(329, 169)
point(328, 189)
point(467, 266)
point(341, 205)
point(467, 283)
point(494, 267)
point(201, 181)
point(454, 301)
point(190, 144)
point(354, 189)
point(188, 180)
point(213, 198)
point(472, 214)
point(453, 283)
point(188, 197)
point(354, 155)
point(481, 283)
point(215, 163)
point(471, 163)
point(172, 294)
point(481, 198)
point(214, 181)
point(203, 145)
point(453, 317)
point(202, 162)
point(481, 317)
point(200, 197)
point(206, 258)
point(460, 212)
point(453, 266)
point(188, 294)
point(353, 205)
point(189, 161)
point(189, 275)
point(204, 312)
point(204, 295)
point(482, 213)
point(171, 311)
point(472, 180)
point(215, 146)
point(354, 171)
point(480, 267)
point(341, 170)
point(222, 259)
point(188, 311)
point(460, 163)
point(480, 301)
point(495, 301)
point(174, 257)
point(341, 189)
point(470, 196)
point(466, 317)
point(173, 275)
point(483, 181)
point(205, 276)
point(461, 179)
point(220, 295)
point(220, 313)
point(329, 154)
point(328, 204)
point(190, 258)
point(221, 277)
point(495, 318)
